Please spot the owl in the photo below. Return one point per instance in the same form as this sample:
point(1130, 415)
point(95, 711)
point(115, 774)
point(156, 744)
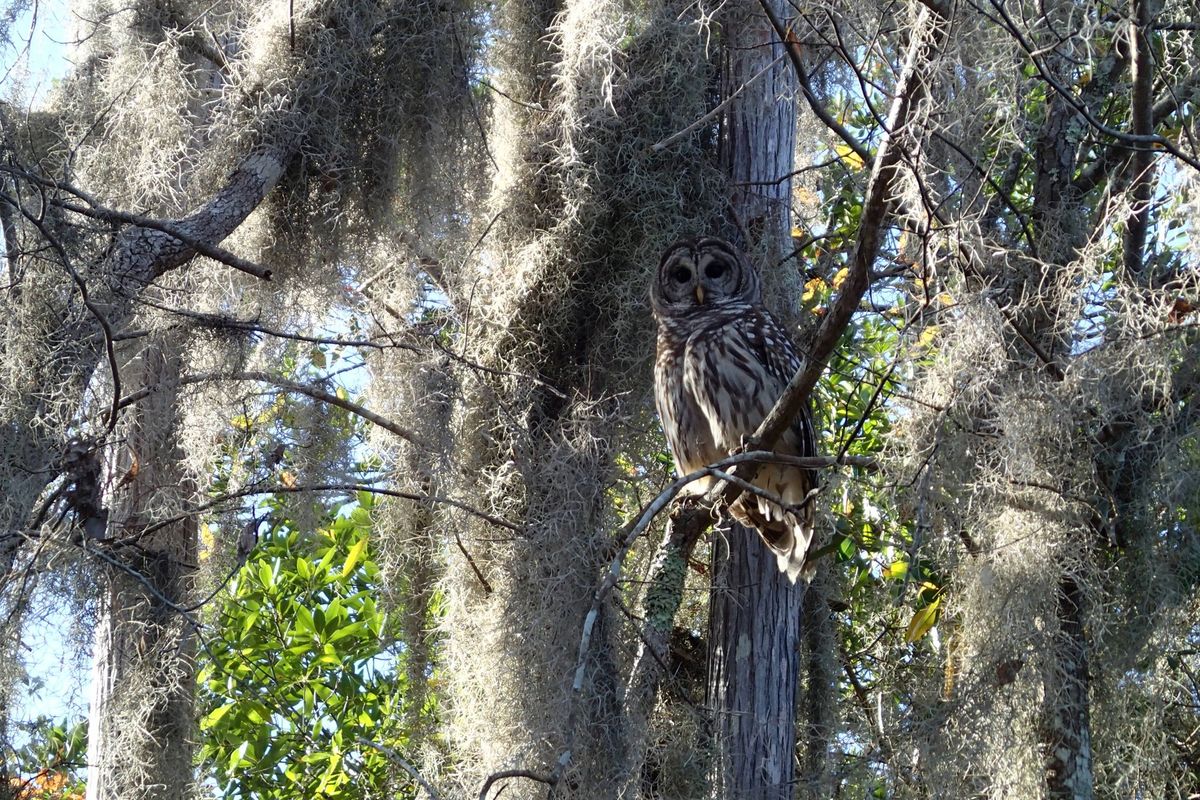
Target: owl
point(722, 363)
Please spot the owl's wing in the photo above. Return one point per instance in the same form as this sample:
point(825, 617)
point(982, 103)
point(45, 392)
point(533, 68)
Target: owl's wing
point(787, 533)
point(775, 349)
point(685, 425)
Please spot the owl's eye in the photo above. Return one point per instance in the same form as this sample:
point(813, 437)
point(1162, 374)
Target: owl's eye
point(714, 270)
point(681, 274)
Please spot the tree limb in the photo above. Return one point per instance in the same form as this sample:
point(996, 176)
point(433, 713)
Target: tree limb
point(1141, 162)
point(878, 205)
point(308, 390)
point(793, 51)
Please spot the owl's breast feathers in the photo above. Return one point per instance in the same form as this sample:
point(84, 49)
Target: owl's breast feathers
point(717, 376)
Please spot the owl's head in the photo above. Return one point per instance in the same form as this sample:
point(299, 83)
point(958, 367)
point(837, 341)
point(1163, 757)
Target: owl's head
point(704, 272)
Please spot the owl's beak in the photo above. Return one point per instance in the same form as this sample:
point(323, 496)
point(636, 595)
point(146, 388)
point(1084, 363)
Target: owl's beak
point(699, 294)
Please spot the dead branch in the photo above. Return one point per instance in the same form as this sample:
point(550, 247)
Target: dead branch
point(550, 779)
point(259, 489)
point(317, 393)
point(396, 759)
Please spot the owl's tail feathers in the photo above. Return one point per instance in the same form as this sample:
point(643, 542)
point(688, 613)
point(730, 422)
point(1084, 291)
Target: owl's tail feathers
point(790, 546)
point(788, 533)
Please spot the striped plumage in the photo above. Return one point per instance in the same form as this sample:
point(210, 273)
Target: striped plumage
point(722, 363)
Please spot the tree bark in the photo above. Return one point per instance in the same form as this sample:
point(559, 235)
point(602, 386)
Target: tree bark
point(1058, 213)
point(140, 732)
point(1068, 734)
point(755, 613)
point(753, 669)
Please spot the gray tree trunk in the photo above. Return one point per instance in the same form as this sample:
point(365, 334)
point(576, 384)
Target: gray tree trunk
point(755, 614)
point(140, 733)
point(753, 669)
point(1058, 215)
point(1068, 717)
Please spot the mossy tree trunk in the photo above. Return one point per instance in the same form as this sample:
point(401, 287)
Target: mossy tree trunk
point(140, 735)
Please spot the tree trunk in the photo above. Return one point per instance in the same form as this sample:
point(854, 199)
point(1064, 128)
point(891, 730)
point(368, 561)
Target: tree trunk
point(1068, 733)
point(1057, 214)
point(753, 669)
point(755, 613)
point(140, 732)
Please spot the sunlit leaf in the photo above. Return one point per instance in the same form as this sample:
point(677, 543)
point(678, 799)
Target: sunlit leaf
point(847, 154)
point(922, 621)
point(354, 556)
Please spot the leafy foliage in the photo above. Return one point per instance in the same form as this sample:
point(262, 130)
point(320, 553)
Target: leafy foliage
point(303, 675)
point(50, 764)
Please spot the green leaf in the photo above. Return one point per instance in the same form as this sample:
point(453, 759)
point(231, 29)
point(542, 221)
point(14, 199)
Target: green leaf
point(214, 717)
point(266, 574)
point(846, 548)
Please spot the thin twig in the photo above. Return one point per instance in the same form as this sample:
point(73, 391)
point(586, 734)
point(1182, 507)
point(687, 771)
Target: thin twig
point(487, 587)
point(332, 399)
point(315, 392)
point(658, 147)
point(333, 487)
point(396, 759)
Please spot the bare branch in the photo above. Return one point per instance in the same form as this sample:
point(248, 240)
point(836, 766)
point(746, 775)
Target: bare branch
point(1141, 162)
point(793, 52)
point(396, 759)
point(877, 207)
point(258, 490)
point(550, 779)
point(315, 392)
point(171, 229)
point(332, 399)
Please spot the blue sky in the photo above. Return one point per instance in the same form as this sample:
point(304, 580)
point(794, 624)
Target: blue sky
point(30, 62)
point(35, 54)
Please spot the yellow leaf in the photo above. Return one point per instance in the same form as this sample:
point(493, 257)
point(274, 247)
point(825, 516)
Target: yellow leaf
point(797, 232)
point(355, 555)
point(927, 336)
point(847, 154)
point(288, 479)
point(945, 299)
point(810, 289)
point(840, 277)
point(922, 621)
point(208, 542)
point(897, 569)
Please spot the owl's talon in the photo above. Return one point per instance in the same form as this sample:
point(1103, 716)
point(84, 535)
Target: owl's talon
point(750, 443)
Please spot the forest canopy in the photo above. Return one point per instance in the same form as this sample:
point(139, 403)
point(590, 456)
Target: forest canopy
point(329, 461)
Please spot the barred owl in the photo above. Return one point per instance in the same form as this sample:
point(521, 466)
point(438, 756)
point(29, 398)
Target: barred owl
point(722, 363)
